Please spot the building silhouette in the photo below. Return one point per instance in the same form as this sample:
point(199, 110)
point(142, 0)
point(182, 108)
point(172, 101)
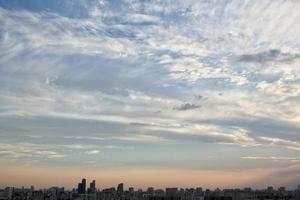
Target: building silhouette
point(118, 193)
point(82, 187)
point(120, 188)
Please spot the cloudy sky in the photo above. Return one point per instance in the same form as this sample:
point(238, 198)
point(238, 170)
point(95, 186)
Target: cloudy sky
point(163, 93)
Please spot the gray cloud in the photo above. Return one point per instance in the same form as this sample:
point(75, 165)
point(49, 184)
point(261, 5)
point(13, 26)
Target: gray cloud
point(187, 106)
point(268, 56)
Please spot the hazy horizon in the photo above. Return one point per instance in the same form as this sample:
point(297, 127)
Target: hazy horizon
point(150, 93)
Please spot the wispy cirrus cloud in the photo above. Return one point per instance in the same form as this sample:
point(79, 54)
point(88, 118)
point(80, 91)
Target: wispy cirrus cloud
point(274, 158)
point(29, 151)
point(294, 145)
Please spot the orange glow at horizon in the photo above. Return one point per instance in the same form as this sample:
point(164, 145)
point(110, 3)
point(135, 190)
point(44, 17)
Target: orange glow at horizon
point(138, 178)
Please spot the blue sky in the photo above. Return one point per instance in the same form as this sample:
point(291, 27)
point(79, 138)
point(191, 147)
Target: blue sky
point(206, 87)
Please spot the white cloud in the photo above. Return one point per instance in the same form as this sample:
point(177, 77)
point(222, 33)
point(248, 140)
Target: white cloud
point(28, 150)
point(274, 158)
point(92, 152)
point(141, 19)
point(294, 145)
point(142, 138)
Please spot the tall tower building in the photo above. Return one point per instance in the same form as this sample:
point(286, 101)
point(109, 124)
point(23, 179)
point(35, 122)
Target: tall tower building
point(93, 186)
point(120, 188)
point(83, 182)
point(82, 187)
point(79, 188)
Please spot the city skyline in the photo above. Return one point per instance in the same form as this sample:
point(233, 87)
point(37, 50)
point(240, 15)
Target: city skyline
point(90, 186)
point(150, 92)
point(83, 192)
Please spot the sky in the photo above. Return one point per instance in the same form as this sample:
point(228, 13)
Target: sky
point(150, 93)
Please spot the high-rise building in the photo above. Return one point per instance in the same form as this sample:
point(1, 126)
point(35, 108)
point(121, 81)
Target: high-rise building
point(83, 182)
point(82, 187)
point(79, 188)
point(120, 188)
point(93, 186)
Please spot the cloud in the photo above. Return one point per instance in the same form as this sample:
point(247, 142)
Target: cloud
point(141, 138)
point(272, 55)
point(106, 76)
point(187, 106)
point(274, 158)
point(141, 19)
point(261, 57)
point(293, 145)
point(92, 152)
point(28, 151)
point(108, 137)
point(83, 39)
point(206, 133)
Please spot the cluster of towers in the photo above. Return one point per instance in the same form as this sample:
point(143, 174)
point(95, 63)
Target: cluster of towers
point(82, 187)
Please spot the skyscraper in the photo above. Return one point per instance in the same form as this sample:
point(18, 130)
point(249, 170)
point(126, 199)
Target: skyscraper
point(83, 183)
point(92, 186)
point(82, 187)
point(120, 188)
point(79, 188)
